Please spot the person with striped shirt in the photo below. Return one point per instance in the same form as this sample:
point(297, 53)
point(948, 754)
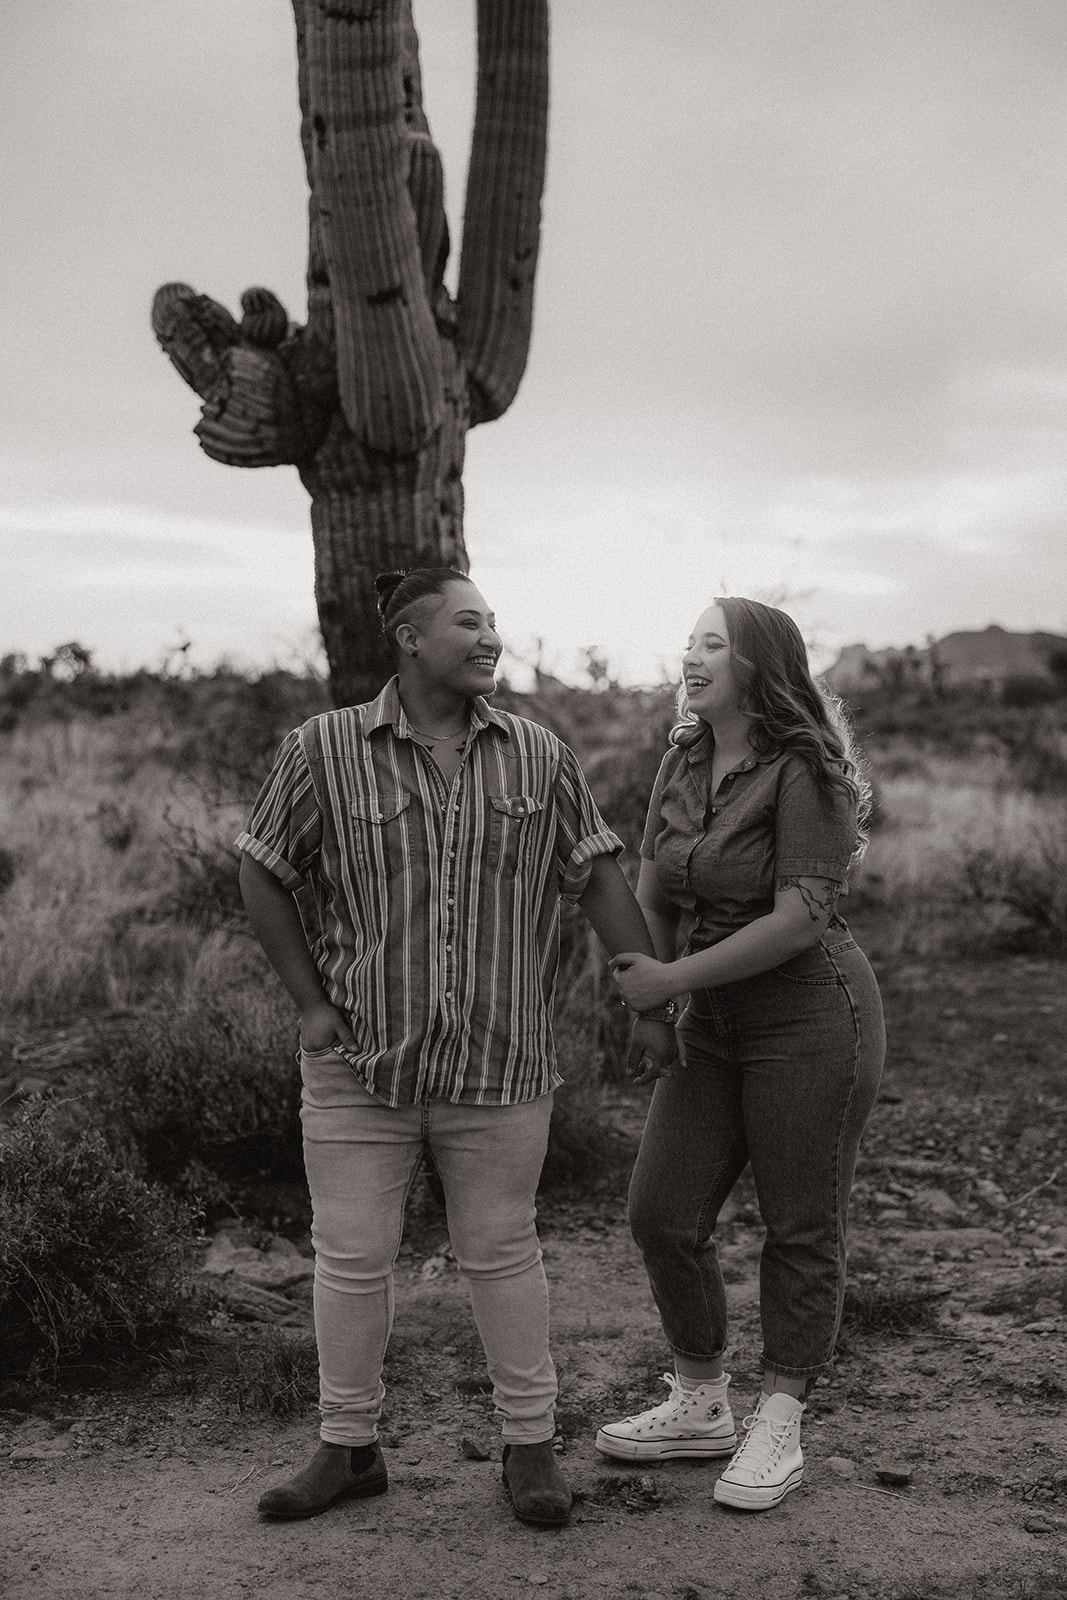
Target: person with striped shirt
point(437, 837)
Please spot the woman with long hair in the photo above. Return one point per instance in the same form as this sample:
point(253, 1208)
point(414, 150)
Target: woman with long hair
point(759, 809)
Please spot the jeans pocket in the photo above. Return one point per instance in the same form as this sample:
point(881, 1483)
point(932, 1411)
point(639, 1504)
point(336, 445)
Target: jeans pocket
point(811, 968)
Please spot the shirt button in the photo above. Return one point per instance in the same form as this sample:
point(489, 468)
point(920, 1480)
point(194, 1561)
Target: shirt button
point(451, 900)
point(715, 811)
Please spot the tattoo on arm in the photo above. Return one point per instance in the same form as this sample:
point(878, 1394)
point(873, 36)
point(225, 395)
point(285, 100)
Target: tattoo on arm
point(821, 904)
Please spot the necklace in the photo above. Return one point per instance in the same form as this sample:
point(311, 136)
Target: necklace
point(436, 738)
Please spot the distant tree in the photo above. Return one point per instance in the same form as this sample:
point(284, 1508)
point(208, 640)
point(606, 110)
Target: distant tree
point(68, 661)
point(1057, 665)
point(371, 399)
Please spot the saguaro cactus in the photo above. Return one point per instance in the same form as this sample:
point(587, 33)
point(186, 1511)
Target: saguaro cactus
point(371, 399)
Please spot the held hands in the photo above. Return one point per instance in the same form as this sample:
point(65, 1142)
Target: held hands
point(644, 983)
point(653, 1050)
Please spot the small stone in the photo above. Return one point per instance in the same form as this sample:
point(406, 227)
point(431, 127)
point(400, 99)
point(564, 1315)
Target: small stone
point(473, 1450)
point(893, 1473)
point(1041, 1525)
point(842, 1466)
point(936, 1203)
point(50, 1450)
point(537, 1577)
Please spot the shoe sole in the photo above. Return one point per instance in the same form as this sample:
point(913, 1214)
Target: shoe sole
point(555, 1521)
point(745, 1497)
point(353, 1492)
point(664, 1449)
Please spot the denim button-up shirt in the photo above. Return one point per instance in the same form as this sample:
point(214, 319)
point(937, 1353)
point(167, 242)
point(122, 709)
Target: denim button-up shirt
point(718, 856)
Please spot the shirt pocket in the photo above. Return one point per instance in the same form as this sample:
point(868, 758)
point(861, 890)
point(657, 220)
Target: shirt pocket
point(514, 820)
point(380, 834)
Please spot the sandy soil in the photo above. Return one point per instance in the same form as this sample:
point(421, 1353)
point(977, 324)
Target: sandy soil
point(951, 1376)
point(154, 1496)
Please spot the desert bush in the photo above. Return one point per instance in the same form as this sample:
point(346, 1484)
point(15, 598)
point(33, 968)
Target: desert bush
point(586, 1151)
point(267, 1372)
point(963, 858)
point(205, 1095)
point(897, 1310)
point(1022, 871)
point(1037, 755)
point(91, 1256)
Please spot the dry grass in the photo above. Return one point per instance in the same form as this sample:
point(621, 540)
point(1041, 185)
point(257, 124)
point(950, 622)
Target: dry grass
point(963, 860)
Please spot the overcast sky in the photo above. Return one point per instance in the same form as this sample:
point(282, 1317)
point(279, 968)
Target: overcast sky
point(800, 327)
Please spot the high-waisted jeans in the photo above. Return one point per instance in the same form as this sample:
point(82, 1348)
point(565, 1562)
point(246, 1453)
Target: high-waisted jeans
point(361, 1157)
point(781, 1070)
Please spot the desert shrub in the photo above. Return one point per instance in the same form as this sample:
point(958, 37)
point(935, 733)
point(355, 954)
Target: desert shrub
point(1023, 872)
point(267, 1372)
point(875, 1306)
point(205, 1095)
point(202, 872)
point(1037, 755)
point(1025, 689)
point(586, 1151)
point(90, 1254)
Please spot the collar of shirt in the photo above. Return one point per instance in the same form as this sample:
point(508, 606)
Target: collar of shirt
point(387, 712)
point(701, 747)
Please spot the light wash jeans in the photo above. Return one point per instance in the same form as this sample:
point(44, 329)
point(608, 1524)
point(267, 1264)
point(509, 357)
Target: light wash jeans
point(361, 1157)
point(781, 1070)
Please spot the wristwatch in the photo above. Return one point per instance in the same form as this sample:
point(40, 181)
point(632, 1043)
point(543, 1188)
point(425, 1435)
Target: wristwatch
point(667, 1013)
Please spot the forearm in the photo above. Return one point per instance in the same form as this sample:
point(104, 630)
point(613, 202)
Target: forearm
point(275, 921)
point(664, 930)
point(756, 948)
point(611, 909)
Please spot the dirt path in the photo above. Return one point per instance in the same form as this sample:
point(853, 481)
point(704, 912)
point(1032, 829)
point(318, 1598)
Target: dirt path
point(155, 1497)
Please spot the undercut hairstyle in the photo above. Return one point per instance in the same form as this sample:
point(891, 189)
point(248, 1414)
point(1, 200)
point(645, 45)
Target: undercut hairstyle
point(403, 596)
point(789, 709)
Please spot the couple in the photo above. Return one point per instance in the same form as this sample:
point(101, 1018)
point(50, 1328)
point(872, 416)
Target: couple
point(437, 836)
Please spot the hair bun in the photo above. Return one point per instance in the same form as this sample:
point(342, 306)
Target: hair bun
point(385, 586)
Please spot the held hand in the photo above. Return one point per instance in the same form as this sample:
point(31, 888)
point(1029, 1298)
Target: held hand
point(322, 1025)
point(644, 983)
point(653, 1051)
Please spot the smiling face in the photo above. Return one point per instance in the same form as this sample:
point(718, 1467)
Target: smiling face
point(457, 642)
point(707, 669)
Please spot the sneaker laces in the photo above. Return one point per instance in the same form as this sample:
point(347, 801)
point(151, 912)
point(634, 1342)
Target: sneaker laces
point(764, 1442)
point(675, 1400)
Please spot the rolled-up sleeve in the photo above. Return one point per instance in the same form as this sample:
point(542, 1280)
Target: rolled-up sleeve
point(284, 830)
point(814, 833)
point(581, 832)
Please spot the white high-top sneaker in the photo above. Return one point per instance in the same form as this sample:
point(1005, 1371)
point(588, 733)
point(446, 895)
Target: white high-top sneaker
point(695, 1424)
point(770, 1462)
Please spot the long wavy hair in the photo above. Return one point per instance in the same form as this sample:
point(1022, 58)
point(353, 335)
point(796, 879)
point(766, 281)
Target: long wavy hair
point(788, 708)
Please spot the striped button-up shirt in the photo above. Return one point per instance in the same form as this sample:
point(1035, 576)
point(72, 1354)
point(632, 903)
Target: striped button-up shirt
point(438, 904)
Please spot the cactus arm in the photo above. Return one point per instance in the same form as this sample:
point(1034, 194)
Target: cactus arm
point(195, 333)
point(502, 221)
point(389, 368)
point(264, 401)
